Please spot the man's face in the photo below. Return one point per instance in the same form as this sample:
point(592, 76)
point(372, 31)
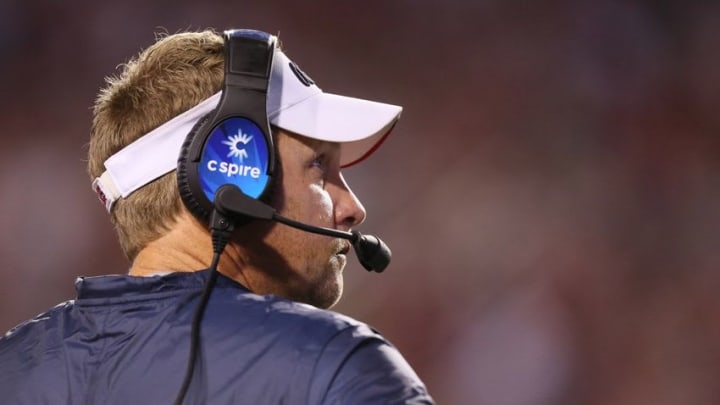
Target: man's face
point(309, 188)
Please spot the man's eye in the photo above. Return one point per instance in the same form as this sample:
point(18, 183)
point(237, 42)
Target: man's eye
point(319, 162)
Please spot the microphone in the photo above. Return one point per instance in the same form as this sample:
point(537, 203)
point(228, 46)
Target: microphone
point(372, 253)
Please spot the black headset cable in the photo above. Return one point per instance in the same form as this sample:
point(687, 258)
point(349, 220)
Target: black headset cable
point(220, 229)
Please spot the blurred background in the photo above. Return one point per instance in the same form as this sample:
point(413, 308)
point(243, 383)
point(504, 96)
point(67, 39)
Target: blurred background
point(551, 194)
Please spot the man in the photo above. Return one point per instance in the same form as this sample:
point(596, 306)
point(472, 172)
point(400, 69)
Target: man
point(264, 335)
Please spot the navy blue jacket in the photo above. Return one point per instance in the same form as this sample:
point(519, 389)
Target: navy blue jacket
point(125, 340)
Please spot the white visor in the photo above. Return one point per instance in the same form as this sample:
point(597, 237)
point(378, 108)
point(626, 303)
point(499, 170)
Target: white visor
point(294, 103)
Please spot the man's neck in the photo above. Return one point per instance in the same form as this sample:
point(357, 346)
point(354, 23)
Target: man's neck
point(186, 247)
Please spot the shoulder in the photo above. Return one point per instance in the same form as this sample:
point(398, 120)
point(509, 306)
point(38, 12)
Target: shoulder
point(293, 319)
point(326, 321)
point(345, 360)
point(261, 340)
point(44, 322)
point(30, 355)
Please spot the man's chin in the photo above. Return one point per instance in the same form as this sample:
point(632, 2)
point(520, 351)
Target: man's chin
point(328, 293)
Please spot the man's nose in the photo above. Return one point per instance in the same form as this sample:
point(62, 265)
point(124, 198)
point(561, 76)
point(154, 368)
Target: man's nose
point(349, 211)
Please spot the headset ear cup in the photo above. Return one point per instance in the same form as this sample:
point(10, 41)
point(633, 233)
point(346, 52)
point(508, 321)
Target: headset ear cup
point(186, 191)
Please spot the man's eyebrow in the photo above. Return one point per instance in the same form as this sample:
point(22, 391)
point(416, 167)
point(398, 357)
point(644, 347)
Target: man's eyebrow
point(322, 146)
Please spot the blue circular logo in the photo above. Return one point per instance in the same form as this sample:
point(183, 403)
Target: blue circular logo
point(235, 153)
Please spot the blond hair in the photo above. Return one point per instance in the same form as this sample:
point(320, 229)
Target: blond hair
point(164, 80)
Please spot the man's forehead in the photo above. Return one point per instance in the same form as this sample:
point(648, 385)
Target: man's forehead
point(315, 144)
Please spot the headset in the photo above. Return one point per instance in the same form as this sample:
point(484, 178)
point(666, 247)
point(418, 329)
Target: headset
point(239, 125)
point(227, 164)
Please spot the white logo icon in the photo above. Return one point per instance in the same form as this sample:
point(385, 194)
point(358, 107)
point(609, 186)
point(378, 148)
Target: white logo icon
point(233, 141)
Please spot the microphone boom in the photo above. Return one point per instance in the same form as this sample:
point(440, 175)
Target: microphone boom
point(373, 254)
